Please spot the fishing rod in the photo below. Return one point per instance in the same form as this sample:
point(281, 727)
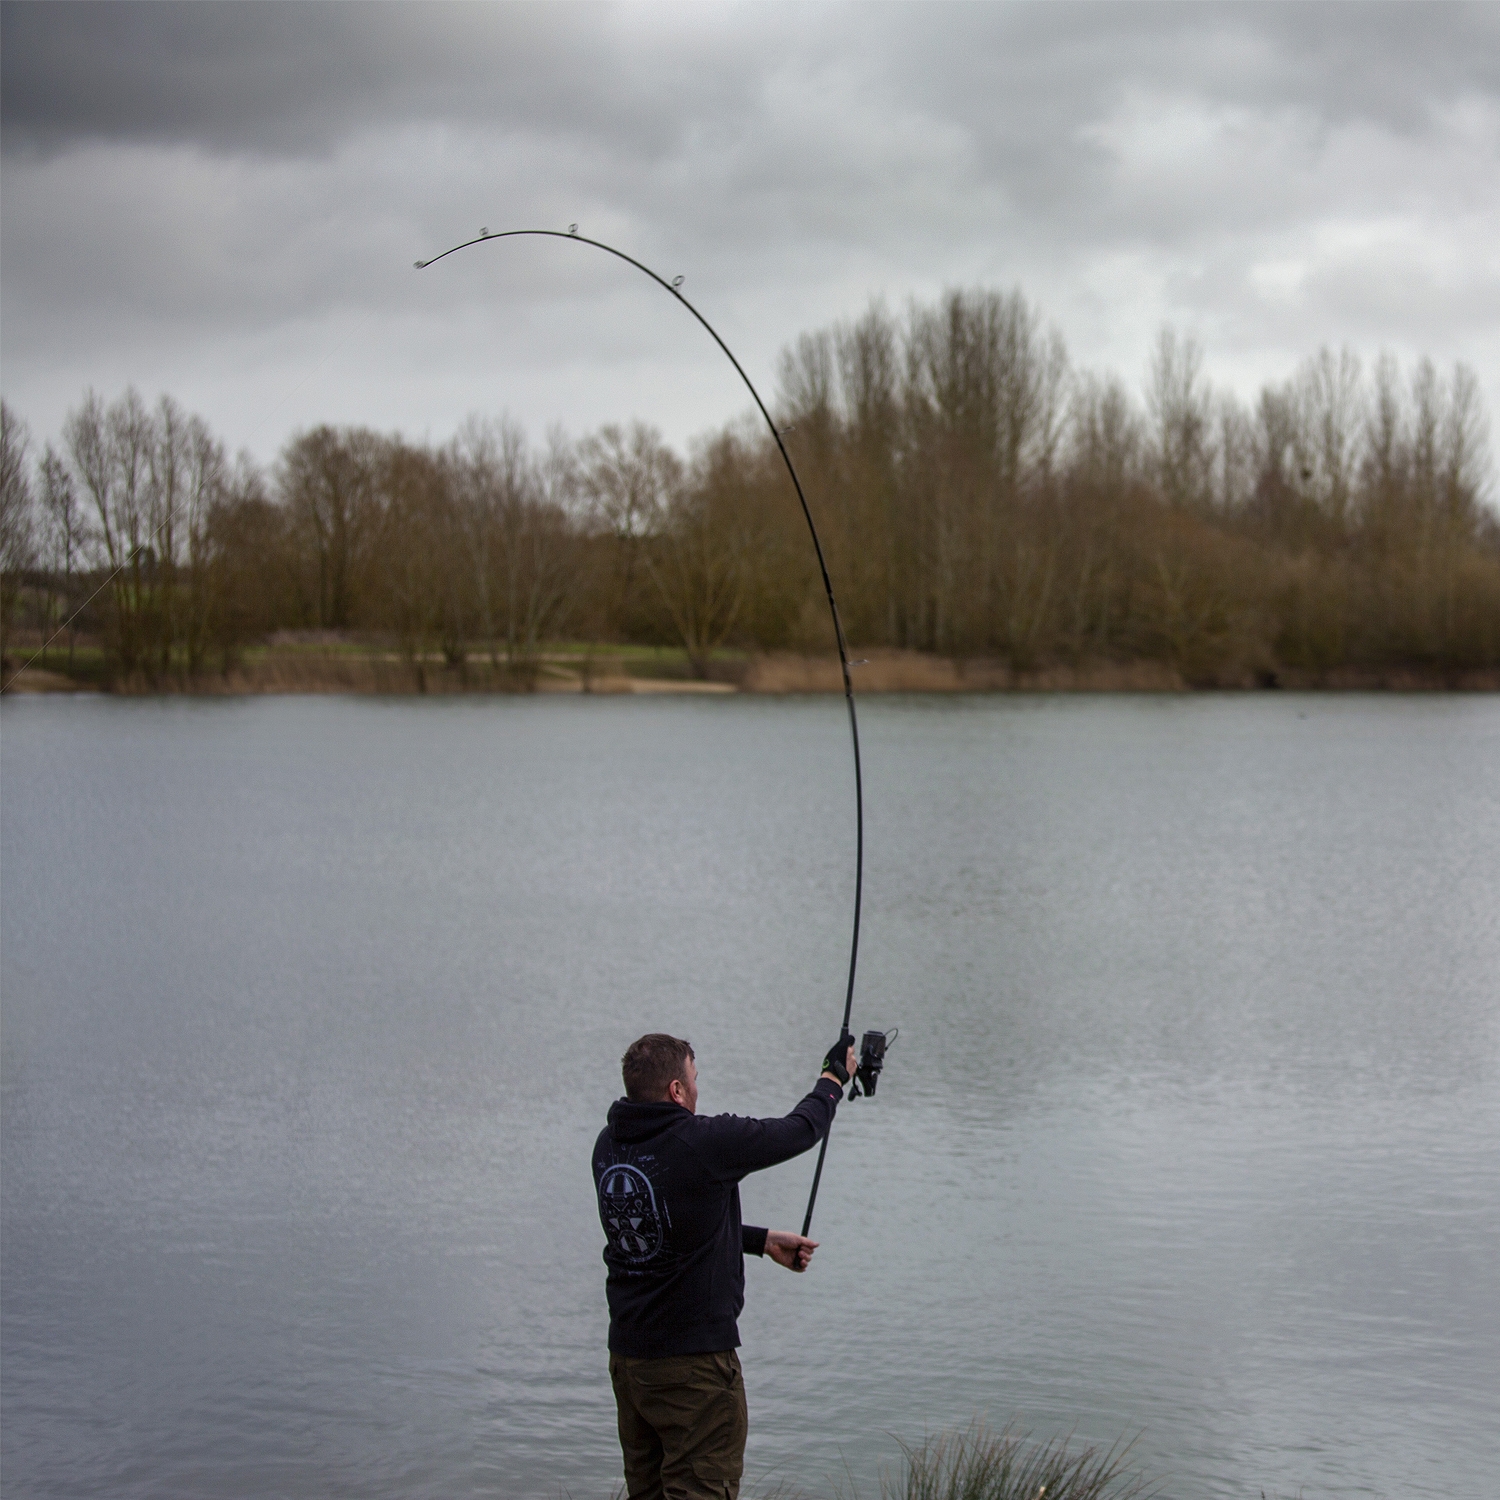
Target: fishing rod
point(871, 1058)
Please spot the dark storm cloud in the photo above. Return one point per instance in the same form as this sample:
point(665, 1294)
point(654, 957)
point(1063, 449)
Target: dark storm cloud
point(246, 75)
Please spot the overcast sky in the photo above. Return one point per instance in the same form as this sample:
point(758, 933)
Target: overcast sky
point(224, 201)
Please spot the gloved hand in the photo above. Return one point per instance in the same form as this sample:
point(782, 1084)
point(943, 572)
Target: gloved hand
point(837, 1060)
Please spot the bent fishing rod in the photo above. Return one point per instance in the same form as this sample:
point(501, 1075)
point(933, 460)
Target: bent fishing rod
point(674, 287)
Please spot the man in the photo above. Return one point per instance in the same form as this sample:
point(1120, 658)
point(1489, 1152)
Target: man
point(669, 1199)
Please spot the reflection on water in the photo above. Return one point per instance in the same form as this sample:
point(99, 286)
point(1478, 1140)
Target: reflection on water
point(313, 1007)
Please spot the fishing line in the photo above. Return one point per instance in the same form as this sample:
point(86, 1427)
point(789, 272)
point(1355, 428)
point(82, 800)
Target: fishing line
point(674, 286)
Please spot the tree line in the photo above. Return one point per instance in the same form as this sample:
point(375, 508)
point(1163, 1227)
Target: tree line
point(977, 497)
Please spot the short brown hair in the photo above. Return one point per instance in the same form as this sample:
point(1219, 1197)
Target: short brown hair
point(651, 1063)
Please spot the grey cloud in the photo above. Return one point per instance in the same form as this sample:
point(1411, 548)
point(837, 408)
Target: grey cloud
point(245, 75)
point(191, 180)
point(1394, 63)
point(1016, 92)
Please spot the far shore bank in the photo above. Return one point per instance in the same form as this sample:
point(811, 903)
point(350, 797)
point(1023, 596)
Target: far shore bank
point(666, 672)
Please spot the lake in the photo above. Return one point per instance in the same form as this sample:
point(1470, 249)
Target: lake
point(313, 1007)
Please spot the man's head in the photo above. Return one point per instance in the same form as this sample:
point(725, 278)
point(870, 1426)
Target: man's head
point(659, 1068)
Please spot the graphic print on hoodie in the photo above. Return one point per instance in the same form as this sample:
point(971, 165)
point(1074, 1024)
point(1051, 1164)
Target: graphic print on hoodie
point(669, 1202)
point(627, 1205)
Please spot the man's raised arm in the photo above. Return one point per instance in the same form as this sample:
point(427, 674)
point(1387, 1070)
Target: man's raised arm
point(734, 1145)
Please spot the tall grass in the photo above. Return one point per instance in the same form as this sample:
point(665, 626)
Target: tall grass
point(977, 1464)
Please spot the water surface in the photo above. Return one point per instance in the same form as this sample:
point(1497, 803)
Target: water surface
point(312, 1008)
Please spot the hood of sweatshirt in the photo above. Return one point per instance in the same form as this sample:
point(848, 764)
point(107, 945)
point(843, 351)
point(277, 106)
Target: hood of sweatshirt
point(631, 1123)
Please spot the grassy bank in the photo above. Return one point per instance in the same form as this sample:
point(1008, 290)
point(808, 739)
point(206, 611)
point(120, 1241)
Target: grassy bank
point(335, 664)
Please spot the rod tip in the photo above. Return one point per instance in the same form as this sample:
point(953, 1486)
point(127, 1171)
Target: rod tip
point(420, 265)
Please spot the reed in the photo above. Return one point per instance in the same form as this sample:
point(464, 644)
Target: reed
point(979, 1464)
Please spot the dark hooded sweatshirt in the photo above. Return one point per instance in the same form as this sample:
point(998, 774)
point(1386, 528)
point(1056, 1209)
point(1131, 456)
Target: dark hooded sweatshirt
point(669, 1200)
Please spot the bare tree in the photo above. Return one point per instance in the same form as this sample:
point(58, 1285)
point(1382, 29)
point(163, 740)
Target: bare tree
point(491, 470)
point(327, 478)
point(542, 563)
point(1385, 460)
point(1235, 467)
point(700, 555)
point(253, 563)
point(110, 450)
point(187, 475)
point(985, 403)
point(515, 513)
point(67, 537)
point(1465, 467)
point(628, 479)
point(870, 547)
point(1180, 403)
point(414, 556)
point(151, 477)
point(1105, 465)
point(1328, 400)
point(17, 521)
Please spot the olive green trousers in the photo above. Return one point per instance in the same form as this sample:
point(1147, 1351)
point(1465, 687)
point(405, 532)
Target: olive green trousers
point(682, 1425)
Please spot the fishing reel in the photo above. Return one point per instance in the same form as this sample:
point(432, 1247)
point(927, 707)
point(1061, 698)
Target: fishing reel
point(872, 1049)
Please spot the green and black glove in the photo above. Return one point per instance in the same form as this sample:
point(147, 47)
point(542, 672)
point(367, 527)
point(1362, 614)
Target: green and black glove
point(834, 1062)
